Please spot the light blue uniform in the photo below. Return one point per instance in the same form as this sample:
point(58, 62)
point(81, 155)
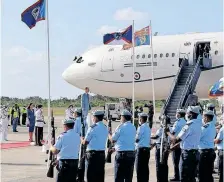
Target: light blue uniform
point(85, 104)
point(143, 135)
point(190, 135)
point(78, 125)
point(214, 120)
point(159, 133)
point(220, 137)
point(200, 118)
point(178, 125)
point(97, 137)
point(124, 136)
point(68, 143)
point(208, 133)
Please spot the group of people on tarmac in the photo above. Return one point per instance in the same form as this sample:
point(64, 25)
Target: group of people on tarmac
point(32, 117)
point(193, 139)
point(195, 135)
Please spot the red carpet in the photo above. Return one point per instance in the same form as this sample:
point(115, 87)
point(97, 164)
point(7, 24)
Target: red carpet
point(14, 145)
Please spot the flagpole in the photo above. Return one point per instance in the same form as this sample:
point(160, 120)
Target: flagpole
point(49, 75)
point(153, 86)
point(133, 71)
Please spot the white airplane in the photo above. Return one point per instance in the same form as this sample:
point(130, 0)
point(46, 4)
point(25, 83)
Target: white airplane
point(107, 70)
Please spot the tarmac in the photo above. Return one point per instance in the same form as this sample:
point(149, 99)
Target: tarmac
point(26, 163)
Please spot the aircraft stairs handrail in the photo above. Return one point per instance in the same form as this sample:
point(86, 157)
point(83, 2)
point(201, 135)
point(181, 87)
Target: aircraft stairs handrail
point(190, 85)
point(184, 62)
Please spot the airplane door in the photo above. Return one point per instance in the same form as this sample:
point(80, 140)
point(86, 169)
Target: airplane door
point(107, 63)
point(187, 52)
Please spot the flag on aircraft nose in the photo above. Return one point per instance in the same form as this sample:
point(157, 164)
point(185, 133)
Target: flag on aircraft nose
point(142, 37)
point(217, 89)
point(119, 38)
point(34, 13)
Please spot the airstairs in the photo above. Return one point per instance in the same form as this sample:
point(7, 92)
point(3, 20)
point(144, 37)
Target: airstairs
point(182, 90)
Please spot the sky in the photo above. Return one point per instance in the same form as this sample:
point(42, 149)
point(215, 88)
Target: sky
point(76, 26)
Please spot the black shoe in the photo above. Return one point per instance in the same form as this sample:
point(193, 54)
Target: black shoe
point(15, 131)
point(174, 179)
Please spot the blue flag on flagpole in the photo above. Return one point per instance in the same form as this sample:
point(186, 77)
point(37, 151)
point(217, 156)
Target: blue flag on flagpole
point(119, 38)
point(34, 13)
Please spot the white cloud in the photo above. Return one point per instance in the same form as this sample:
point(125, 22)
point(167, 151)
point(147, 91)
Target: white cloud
point(24, 55)
point(130, 14)
point(106, 29)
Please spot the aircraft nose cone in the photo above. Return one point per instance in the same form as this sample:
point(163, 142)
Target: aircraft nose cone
point(65, 75)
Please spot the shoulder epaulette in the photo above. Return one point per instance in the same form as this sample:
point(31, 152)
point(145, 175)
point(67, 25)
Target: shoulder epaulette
point(61, 135)
point(206, 125)
point(189, 123)
point(94, 125)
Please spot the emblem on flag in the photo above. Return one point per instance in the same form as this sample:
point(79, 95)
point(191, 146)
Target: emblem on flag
point(119, 38)
point(34, 13)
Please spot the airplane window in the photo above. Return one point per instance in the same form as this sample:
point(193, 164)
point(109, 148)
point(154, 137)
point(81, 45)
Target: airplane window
point(173, 54)
point(143, 56)
point(167, 54)
point(161, 55)
point(155, 55)
point(138, 56)
point(149, 56)
point(216, 52)
point(154, 63)
point(111, 49)
point(132, 57)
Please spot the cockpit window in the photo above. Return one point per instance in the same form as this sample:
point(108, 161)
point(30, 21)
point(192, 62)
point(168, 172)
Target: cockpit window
point(111, 49)
point(78, 60)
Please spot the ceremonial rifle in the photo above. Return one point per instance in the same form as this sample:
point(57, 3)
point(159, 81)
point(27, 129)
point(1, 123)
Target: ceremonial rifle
point(82, 152)
point(109, 143)
point(51, 157)
point(164, 150)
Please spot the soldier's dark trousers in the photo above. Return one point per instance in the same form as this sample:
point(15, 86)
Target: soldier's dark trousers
point(95, 166)
point(188, 165)
point(124, 166)
point(38, 135)
point(24, 119)
point(67, 170)
point(176, 160)
point(220, 153)
point(206, 165)
point(142, 164)
point(161, 169)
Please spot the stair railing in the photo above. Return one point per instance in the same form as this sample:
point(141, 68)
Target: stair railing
point(190, 84)
point(183, 63)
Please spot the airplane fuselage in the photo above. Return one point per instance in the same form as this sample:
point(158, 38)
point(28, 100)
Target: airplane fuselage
point(108, 70)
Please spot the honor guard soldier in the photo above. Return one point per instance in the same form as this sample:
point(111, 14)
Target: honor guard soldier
point(159, 173)
point(78, 124)
point(95, 140)
point(177, 127)
point(124, 139)
point(142, 149)
point(219, 142)
point(67, 149)
point(189, 138)
point(206, 148)
point(211, 107)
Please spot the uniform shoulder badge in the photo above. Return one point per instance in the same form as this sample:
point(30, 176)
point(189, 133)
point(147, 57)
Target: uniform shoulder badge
point(61, 135)
point(206, 125)
point(94, 125)
point(189, 123)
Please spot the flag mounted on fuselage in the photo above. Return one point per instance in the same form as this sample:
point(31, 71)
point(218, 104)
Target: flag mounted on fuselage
point(119, 38)
point(142, 37)
point(34, 13)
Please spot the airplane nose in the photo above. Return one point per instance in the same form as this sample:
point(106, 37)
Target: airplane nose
point(65, 75)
